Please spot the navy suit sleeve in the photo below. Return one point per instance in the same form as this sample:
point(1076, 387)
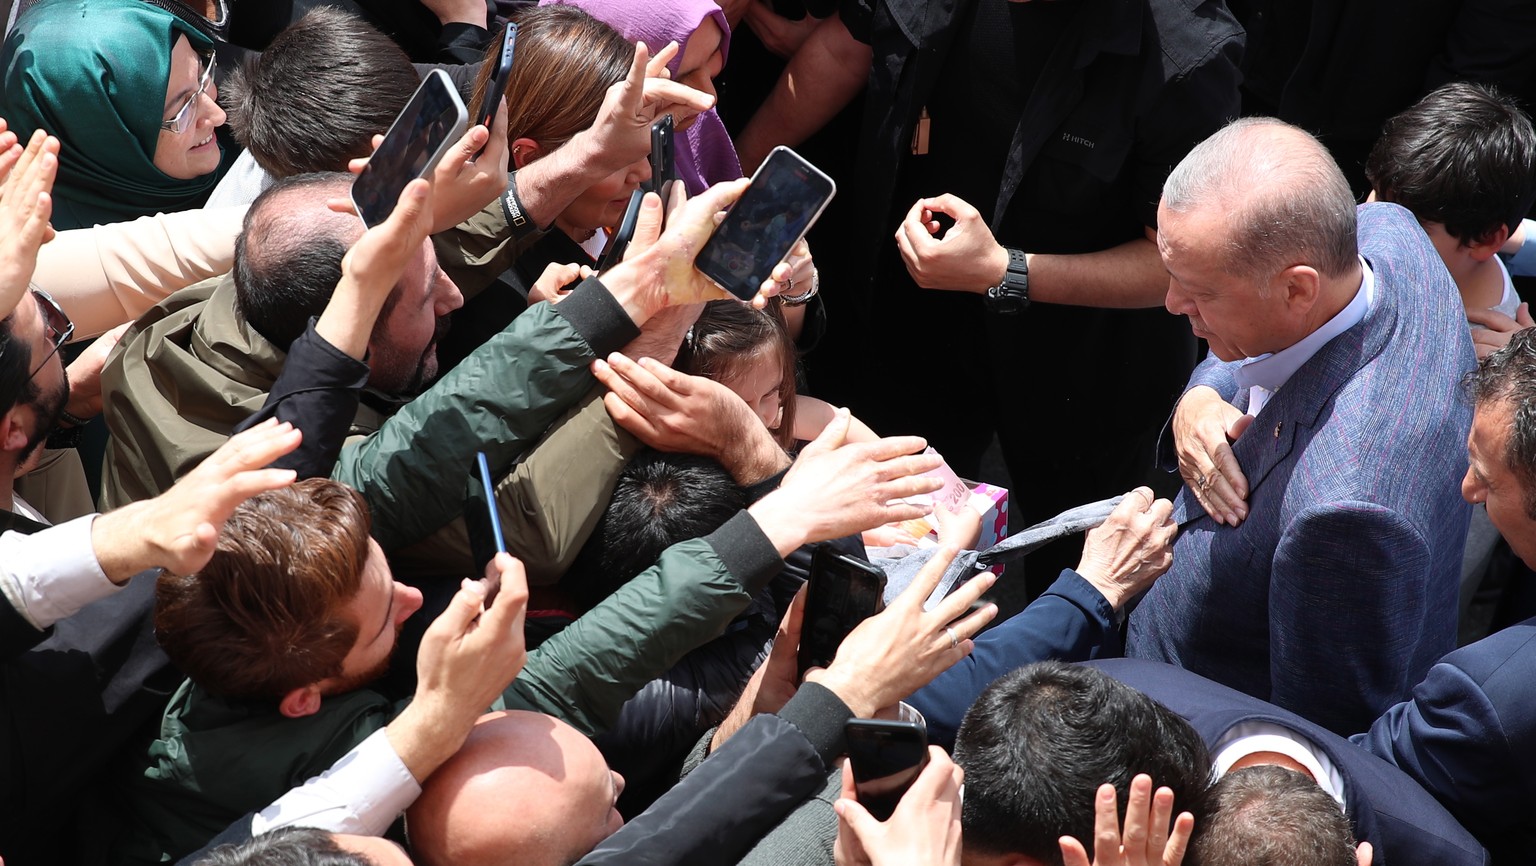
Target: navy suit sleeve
point(1466, 733)
point(1071, 622)
point(1369, 570)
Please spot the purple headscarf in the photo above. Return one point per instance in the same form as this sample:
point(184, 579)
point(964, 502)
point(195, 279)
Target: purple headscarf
point(705, 153)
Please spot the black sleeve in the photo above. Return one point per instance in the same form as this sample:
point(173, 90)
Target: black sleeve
point(317, 392)
point(461, 72)
point(16, 634)
point(740, 792)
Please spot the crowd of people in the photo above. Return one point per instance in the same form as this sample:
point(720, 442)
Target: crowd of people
point(1217, 270)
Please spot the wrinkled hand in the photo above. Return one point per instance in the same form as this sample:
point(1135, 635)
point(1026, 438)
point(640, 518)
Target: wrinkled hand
point(1497, 328)
point(1147, 838)
point(84, 374)
point(181, 526)
point(966, 259)
point(1122, 556)
point(554, 284)
point(837, 488)
point(26, 203)
point(673, 411)
point(778, 34)
point(1204, 428)
point(621, 134)
point(923, 831)
point(775, 681)
point(902, 648)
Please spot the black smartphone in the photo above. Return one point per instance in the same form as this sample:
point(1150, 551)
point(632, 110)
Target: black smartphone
point(663, 161)
point(430, 123)
point(886, 757)
point(482, 518)
point(498, 83)
point(844, 591)
point(786, 196)
point(614, 252)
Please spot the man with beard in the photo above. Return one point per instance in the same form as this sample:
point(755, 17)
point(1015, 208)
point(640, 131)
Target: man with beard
point(33, 391)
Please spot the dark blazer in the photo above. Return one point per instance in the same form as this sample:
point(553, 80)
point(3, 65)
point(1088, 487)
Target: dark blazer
point(1339, 590)
point(1468, 735)
point(1403, 823)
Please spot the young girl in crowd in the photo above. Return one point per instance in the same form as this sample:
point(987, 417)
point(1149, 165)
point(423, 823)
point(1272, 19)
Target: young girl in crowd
point(749, 351)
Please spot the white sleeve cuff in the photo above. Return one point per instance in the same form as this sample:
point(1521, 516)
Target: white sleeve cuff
point(362, 794)
point(55, 571)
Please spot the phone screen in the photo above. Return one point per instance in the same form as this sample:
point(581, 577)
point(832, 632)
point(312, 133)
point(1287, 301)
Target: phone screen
point(844, 592)
point(498, 83)
point(886, 757)
point(786, 196)
point(482, 518)
point(429, 124)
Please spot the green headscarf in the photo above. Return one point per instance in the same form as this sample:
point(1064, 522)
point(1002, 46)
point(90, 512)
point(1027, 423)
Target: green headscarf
point(94, 73)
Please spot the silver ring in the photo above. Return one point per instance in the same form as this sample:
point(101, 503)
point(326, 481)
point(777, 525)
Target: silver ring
point(789, 286)
point(954, 639)
point(1202, 482)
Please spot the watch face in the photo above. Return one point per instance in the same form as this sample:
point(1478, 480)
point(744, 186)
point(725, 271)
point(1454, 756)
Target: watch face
point(1001, 299)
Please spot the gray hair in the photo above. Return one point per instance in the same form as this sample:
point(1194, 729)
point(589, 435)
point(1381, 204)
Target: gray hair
point(1270, 816)
point(1287, 201)
point(1509, 376)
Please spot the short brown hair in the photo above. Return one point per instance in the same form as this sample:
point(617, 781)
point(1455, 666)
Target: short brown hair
point(563, 66)
point(265, 616)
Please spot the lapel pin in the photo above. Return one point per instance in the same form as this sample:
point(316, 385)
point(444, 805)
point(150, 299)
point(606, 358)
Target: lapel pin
point(1277, 429)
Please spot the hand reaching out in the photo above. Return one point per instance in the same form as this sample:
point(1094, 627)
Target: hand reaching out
point(967, 258)
point(924, 830)
point(26, 203)
point(1147, 838)
point(1132, 548)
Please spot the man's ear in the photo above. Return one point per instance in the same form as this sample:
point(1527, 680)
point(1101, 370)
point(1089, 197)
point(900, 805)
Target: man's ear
point(301, 702)
point(1300, 285)
point(16, 426)
point(1483, 250)
point(524, 151)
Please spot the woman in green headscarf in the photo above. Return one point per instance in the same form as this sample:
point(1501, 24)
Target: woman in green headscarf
point(127, 88)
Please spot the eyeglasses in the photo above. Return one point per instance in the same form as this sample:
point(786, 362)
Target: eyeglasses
point(57, 326)
point(187, 114)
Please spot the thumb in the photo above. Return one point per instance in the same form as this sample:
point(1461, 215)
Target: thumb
point(1523, 316)
point(833, 436)
point(466, 605)
point(647, 224)
point(856, 817)
point(1239, 427)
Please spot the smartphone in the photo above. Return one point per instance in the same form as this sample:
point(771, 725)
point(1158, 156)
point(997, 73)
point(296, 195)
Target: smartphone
point(614, 252)
point(482, 518)
point(844, 591)
point(786, 196)
point(498, 83)
point(430, 123)
point(886, 757)
point(663, 161)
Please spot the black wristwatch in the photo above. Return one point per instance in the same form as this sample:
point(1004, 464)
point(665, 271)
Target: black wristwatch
point(1011, 296)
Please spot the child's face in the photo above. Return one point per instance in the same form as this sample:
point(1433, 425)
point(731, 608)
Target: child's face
point(758, 383)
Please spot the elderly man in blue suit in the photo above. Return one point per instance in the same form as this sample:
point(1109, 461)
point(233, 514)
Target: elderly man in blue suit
point(1335, 590)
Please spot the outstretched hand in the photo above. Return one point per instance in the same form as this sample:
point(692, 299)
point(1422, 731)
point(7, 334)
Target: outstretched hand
point(179, 529)
point(26, 203)
point(1146, 839)
point(1132, 548)
point(966, 258)
point(925, 828)
point(902, 648)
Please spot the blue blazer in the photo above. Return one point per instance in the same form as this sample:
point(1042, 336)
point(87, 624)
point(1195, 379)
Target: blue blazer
point(1339, 591)
point(1468, 735)
point(1403, 823)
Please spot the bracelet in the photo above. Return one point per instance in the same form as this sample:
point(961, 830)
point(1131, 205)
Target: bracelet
point(70, 420)
point(804, 297)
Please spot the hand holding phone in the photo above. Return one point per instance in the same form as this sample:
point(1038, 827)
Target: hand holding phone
point(614, 253)
point(428, 125)
point(842, 592)
point(496, 87)
point(664, 175)
point(886, 758)
point(482, 519)
point(786, 196)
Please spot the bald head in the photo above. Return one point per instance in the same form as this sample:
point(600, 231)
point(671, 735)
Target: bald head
point(525, 789)
point(1280, 193)
point(288, 255)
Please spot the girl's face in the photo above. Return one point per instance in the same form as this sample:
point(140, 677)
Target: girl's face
point(759, 383)
point(190, 106)
point(603, 203)
point(701, 59)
